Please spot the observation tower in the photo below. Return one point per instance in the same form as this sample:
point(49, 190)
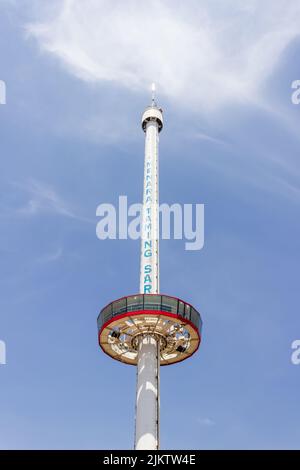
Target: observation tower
point(149, 329)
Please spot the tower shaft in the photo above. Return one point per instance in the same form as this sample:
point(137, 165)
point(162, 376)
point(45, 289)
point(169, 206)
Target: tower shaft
point(149, 329)
point(148, 362)
point(147, 395)
point(149, 275)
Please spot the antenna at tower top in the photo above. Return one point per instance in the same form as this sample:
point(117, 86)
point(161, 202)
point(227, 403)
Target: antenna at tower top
point(153, 94)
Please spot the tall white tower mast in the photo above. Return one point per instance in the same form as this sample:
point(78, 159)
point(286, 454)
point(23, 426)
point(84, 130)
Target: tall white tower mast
point(149, 329)
point(152, 123)
point(147, 395)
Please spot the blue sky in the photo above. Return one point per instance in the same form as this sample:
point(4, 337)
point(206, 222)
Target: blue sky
point(77, 82)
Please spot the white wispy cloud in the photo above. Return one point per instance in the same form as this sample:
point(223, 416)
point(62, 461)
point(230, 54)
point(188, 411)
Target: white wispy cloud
point(206, 422)
point(51, 256)
point(43, 198)
point(208, 138)
point(204, 54)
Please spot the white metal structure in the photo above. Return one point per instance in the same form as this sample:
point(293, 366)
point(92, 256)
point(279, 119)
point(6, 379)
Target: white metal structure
point(147, 398)
point(149, 329)
point(147, 394)
point(152, 123)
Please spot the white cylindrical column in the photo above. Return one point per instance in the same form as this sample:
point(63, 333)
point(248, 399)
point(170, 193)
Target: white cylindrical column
point(147, 395)
point(149, 278)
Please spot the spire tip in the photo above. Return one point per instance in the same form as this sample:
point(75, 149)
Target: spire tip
point(153, 88)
